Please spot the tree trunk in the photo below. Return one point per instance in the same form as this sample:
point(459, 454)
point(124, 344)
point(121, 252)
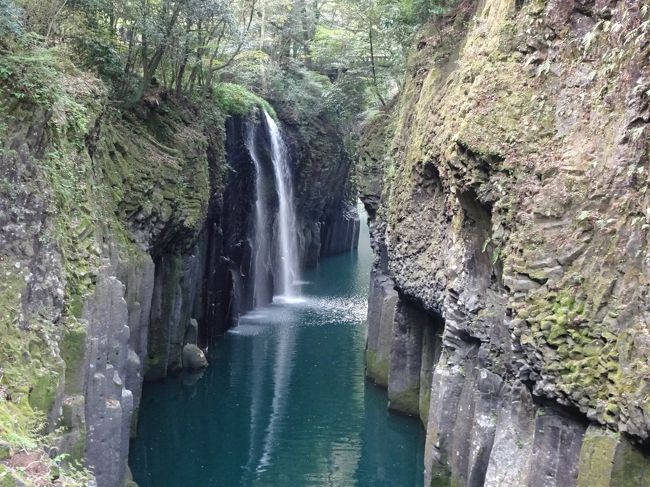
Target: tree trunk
point(150, 67)
point(185, 57)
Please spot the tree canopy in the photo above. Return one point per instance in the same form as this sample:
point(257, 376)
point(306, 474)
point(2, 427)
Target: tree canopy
point(345, 55)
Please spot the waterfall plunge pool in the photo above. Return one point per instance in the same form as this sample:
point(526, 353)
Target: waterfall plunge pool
point(284, 402)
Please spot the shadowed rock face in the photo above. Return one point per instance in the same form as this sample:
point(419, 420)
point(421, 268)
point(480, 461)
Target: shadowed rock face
point(507, 191)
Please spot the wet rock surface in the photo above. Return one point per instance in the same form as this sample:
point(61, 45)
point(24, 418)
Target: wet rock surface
point(193, 358)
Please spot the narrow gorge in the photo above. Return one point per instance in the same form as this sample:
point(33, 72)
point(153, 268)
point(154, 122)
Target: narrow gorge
point(393, 243)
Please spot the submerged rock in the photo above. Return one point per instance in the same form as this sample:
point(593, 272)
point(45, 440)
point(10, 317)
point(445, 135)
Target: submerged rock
point(193, 358)
point(190, 377)
point(128, 479)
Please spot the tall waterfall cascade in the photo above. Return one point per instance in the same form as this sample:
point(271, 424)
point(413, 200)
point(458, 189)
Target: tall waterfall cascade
point(282, 238)
point(262, 257)
point(288, 246)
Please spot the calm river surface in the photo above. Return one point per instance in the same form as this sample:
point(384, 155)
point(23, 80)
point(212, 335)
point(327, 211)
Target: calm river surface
point(284, 402)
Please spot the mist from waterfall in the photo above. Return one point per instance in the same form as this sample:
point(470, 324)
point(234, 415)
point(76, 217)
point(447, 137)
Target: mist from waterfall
point(288, 247)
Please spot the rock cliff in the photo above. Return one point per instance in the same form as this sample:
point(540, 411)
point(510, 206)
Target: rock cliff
point(124, 244)
point(507, 193)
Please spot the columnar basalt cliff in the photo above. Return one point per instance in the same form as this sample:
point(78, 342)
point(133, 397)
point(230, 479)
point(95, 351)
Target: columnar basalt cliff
point(507, 192)
point(125, 245)
point(107, 271)
point(328, 221)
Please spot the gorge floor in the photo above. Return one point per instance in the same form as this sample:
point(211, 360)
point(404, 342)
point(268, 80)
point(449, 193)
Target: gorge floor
point(284, 402)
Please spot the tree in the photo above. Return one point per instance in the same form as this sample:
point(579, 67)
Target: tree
point(189, 45)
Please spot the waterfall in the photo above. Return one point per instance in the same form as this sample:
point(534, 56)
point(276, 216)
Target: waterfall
point(262, 258)
point(287, 248)
point(286, 234)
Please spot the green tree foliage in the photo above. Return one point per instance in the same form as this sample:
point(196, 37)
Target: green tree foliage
point(10, 20)
point(338, 55)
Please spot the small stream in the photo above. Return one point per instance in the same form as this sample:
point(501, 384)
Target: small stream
point(284, 402)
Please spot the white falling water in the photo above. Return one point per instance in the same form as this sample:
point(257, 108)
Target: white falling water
point(286, 279)
point(288, 248)
point(262, 248)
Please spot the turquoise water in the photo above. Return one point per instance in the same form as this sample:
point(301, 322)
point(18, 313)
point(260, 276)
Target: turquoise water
point(284, 402)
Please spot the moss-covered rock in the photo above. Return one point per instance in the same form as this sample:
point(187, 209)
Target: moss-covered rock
point(610, 460)
point(83, 184)
point(44, 390)
point(73, 353)
point(377, 369)
point(513, 202)
point(235, 99)
point(597, 458)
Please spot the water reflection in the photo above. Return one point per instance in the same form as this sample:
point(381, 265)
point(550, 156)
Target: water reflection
point(285, 339)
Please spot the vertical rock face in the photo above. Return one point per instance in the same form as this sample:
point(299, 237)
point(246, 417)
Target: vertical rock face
point(408, 357)
point(381, 316)
point(236, 262)
point(507, 192)
point(127, 241)
point(340, 230)
point(109, 404)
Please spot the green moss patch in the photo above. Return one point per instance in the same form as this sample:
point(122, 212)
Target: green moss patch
point(377, 369)
point(73, 350)
point(407, 402)
point(610, 460)
point(237, 100)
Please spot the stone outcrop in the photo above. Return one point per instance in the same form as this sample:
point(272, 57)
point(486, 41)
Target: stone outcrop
point(381, 316)
point(108, 403)
point(506, 188)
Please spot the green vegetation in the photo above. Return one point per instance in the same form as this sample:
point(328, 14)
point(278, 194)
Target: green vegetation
point(192, 47)
point(237, 100)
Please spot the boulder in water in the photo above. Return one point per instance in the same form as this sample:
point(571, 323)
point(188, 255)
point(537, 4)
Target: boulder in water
point(193, 358)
